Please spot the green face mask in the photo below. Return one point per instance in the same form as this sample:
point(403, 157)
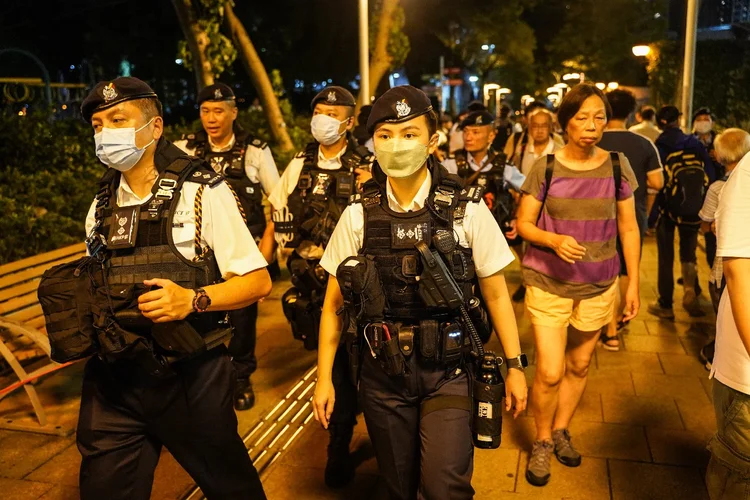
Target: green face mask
point(401, 157)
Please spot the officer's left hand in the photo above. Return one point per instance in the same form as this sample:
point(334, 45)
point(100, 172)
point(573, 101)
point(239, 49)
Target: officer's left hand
point(170, 302)
point(516, 391)
point(363, 176)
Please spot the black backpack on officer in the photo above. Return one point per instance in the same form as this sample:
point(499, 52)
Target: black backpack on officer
point(685, 188)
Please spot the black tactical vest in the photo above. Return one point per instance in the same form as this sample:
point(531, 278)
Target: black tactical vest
point(390, 238)
point(496, 195)
point(154, 256)
point(321, 195)
point(232, 165)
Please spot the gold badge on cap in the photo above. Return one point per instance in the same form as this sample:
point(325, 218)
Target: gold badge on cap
point(331, 96)
point(109, 93)
point(402, 108)
point(217, 94)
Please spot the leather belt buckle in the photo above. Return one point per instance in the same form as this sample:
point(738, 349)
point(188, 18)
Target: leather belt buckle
point(406, 340)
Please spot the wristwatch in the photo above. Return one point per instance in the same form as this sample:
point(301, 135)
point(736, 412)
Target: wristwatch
point(201, 301)
point(519, 362)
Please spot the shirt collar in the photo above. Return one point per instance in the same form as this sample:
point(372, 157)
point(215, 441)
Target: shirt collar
point(476, 166)
point(217, 149)
point(330, 163)
point(419, 199)
point(126, 194)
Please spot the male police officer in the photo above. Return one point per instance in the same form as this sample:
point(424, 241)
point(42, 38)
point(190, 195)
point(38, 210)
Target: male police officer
point(478, 164)
point(248, 166)
point(309, 199)
point(167, 230)
point(412, 199)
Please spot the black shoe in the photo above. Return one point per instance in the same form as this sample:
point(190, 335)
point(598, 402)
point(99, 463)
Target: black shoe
point(707, 354)
point(244, 397)
point(340, 467)
point(519, 294)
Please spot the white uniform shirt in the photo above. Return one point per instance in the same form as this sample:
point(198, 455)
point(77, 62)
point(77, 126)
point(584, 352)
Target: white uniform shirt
point(647, 129)
point(731, 364)
point(259, 164)
point(511, 175)
point(223, 229)
point(479, 232)
point(530, 155)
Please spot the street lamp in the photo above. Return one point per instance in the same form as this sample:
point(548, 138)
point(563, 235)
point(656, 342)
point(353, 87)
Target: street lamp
point(504, 91)
point(613, 85)
point(601, 86)
point(485, 47)
point(571, 76)
point(641, 50)
point(364, 54)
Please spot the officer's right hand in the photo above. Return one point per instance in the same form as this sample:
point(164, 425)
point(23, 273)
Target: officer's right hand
point(323, 400)
point(567, 248)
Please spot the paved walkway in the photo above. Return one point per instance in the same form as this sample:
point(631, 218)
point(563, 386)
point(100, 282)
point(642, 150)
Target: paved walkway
point(642, 426)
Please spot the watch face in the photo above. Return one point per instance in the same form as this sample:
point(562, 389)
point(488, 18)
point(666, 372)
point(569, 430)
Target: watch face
point(203, 302)
point(524, 360)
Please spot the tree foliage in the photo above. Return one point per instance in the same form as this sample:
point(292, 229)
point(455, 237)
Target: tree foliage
point(220, 52)
point(398, 43)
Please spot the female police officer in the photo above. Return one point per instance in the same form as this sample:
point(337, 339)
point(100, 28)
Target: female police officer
point(398, 210)
point(139, 393)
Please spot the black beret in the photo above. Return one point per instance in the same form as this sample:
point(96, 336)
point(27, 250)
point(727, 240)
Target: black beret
point(703, 111)
point(333, 95)
point(109, 93)
point(478, 118)
point(216, 92)
point(476, 106)
point(668, 114)
point(397, 105)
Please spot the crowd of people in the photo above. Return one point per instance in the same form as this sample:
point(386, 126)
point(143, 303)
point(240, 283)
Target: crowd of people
point(371, 213)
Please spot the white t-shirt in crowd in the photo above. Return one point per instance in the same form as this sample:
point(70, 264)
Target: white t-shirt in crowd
point(731, 363)
point(479, 232)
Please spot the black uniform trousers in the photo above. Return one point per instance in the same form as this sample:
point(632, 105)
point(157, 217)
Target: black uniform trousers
point(426, 458)
point(242, 345)
point(127, 416)
point(346, 407)
point(665, 229)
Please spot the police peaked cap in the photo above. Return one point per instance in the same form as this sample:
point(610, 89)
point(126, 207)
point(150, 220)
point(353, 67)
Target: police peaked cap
point(110, 93)
point(399, 104)
point(477, 119)
point(216, 92)
point(703, 111)
point(333, 95)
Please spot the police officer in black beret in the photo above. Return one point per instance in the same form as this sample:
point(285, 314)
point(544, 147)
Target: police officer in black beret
point(247, 164)
point(308, 200)
point(161, 375)
point(414, 393)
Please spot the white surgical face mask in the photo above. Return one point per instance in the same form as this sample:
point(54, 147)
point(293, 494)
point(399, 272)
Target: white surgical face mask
point(116, 148)
point(703, 127)
point(325, 129)
point(401, 157)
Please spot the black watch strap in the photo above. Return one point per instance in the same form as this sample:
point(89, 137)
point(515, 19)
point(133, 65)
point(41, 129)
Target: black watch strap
point(519, 362)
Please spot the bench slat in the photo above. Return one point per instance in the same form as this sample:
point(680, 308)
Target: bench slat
point(18, 290)
point(26, 315)
point(18, 303)
point(36, 260)
point(33, 272)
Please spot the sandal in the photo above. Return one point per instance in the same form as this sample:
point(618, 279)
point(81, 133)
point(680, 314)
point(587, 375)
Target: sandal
point(609, 343)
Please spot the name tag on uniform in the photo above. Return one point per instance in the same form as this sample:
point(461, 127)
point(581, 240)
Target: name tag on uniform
point(408, 234)
point(124, 228)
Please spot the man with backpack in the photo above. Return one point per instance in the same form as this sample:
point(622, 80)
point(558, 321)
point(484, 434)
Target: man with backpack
point(689, 170)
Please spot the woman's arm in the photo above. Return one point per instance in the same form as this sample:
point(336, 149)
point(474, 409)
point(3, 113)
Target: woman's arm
point(566, 247)
point(630, 240)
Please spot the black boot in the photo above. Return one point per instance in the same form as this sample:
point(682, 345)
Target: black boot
point(244, 397)
point(339, 469)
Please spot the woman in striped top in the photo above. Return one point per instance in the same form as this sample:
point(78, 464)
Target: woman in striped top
point(571, 267)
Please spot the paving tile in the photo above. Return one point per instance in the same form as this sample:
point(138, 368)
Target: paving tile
point(611, 382)
point(601, 440)
point(683, 364)
point(636, 327)
point(62, 469)
point(23, 452)
point(363, 455)
point(638, 410)
point(643, 362)
point(678, 447)
point(642, 481)
point(170, 479)
point(658, 344)
point(287, 482)
point(669, 386)
point(679, 328)
point(708, 386)
point(589, 481)
point(61, 493)
point(698, 417)
point(494, 472)
point(518, 433)
point(693, 345)
point(16, 489)
point(309, 450)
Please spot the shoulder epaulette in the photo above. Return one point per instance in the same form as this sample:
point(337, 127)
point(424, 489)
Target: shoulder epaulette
point(257, 143)
point(355, 198)
point(472, 194)
point(301, 154)
point(204, 175)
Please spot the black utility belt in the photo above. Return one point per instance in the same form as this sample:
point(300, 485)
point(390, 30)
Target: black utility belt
point(393, 342)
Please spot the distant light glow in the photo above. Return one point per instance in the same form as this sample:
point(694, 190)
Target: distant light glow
point(601, 86)
point(64, 107)
point(178, 61)
point(473, 78)
point(485, 47)
point(396, 75)
point(571, 76)
point(613, 85)
point(72, 66)
point(504, 91)
point(562, 85)
point(641, 50)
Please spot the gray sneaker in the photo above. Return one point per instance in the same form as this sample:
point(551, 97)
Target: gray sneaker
point(538, 471)
point(566, 454)
point(660, 312)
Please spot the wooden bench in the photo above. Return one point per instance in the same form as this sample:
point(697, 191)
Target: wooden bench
point(22, 330)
